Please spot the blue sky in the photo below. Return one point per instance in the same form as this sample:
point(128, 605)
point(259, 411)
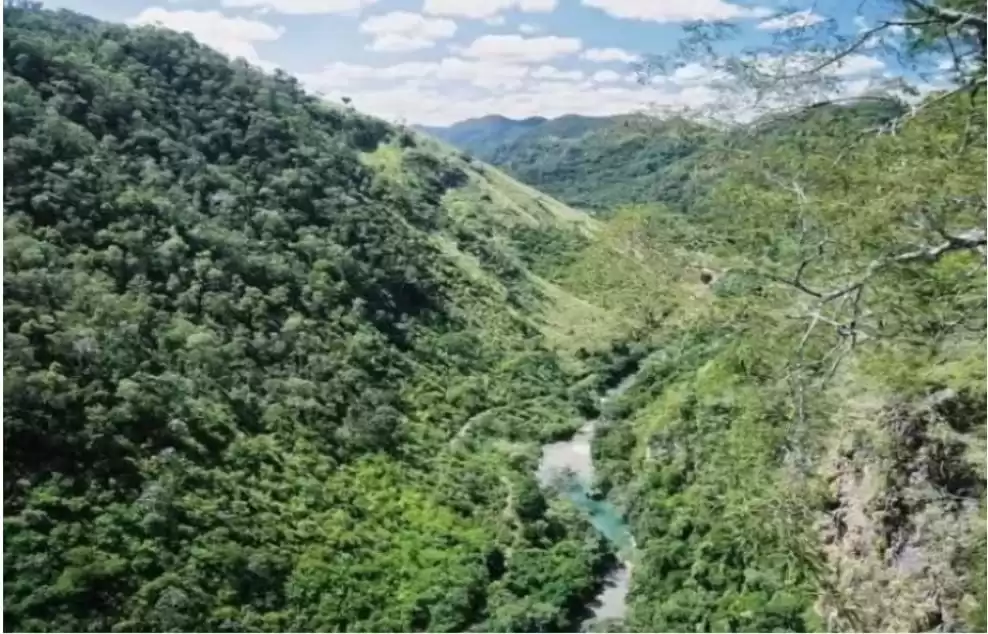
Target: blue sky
point(439, 61)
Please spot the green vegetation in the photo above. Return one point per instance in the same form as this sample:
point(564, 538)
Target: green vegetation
point(743, 434)
point(274, 366)
point(484, 134)
point(241, 331)
point(779, 458)
point(630, 160)
point(594, 163)
point(603, 163)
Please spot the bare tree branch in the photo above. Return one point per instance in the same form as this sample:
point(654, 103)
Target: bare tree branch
point(971, 239)
point(853, 331)
point(954, 18)
point(864, 38)
point(893, 126)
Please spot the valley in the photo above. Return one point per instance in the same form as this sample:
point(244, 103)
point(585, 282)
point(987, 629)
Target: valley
point(568, 465)
point(273, 364)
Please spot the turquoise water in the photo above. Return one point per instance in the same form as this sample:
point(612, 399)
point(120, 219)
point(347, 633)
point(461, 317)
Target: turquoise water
point(572, 460)
point(570, 464)
point(602, 514)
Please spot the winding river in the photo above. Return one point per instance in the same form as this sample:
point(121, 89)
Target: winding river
point(573, 460)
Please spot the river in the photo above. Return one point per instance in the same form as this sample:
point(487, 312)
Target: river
point(572, 459)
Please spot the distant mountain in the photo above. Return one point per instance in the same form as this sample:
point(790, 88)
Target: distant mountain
point(594, 162)
point(483, 136)
point(600, 163)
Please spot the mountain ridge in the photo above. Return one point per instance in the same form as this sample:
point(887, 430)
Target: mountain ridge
point(600, 163)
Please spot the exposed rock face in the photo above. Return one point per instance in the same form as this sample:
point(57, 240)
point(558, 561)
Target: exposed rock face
point(906, 519)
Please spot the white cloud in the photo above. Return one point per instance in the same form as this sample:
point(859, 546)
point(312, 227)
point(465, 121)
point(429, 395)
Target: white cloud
point(693, 74)
point(452, 90)
point(857, 65)
point(338, 75)
point(394, 43)
point(485, 8)
point(548, 99)
point(553, 73)
point(851, 65)
point(422, 93)
point(479, 73)
point(301, 6)
point(233, 36)
point(529, 29)
point(608, 55)
point(676, 10)
point(518, 49)
point(520, 76)
point(796, 20)
point(604, 76)
point(406, 23)
point(482, 73)
point(404, 31)
point(496, 20)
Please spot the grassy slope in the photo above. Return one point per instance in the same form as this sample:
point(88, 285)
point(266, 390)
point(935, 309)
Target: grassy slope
point(531, 235)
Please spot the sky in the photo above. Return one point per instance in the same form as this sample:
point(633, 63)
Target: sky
point(436, 62)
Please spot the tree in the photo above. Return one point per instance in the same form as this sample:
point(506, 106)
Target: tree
point(798, 80)
point(853, 209)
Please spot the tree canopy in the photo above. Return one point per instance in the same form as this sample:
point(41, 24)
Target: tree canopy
point(274, 365)
point(236, 351)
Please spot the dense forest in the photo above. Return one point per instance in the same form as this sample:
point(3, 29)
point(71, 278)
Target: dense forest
point(274, 365)
point(241, 331)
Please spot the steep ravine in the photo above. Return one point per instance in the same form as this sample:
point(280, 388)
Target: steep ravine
point(571, 462)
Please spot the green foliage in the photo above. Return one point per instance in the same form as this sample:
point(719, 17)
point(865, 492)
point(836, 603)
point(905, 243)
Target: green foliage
point(272, 365)
point(237, 356)
point(591, 162)
point(720, 448)
point(717, 550)
point(546, 249)
point(603, 163)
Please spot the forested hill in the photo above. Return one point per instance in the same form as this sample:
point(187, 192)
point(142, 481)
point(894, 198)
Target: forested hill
point(484, 136)
point(480, 136)
point(244, 333)
point(601, 163)
point(273, 365)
